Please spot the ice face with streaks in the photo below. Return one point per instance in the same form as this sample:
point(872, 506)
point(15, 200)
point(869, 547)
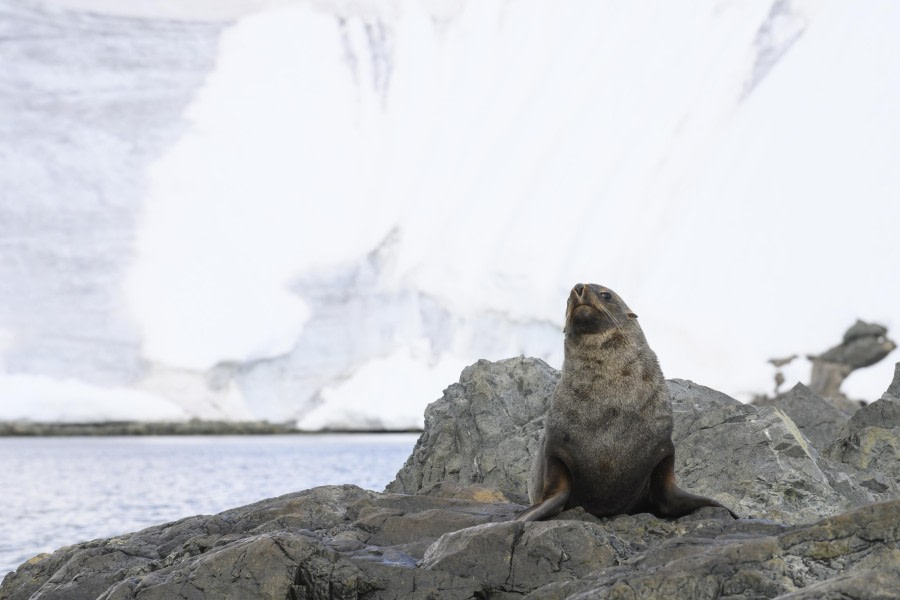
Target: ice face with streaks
point(370, 192)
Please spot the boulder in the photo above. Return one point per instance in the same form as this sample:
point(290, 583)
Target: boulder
point(344, 542)
point(871, 441)
point(450, 534)
point(893, 390)
point(328, 542)
point(864, 344)
point(756, 461)
point(883, 413)
point(486, 430)
point(873, 451)
point(517, 557)
point(815, 417)
point(854, 555)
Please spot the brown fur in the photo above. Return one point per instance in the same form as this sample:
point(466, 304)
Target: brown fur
point(608, 439)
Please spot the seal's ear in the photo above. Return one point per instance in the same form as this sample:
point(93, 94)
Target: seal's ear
point(632, 315)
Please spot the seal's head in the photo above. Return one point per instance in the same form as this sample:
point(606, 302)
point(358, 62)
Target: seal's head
point(593, 308)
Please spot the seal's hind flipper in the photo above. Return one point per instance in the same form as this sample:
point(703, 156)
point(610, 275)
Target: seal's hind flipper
point(557, 489)
point(668, 500)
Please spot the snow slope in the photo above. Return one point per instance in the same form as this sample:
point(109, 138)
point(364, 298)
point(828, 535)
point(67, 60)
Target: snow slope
point(370, 195)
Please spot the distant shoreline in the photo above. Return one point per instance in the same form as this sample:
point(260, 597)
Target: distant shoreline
point(193, 427)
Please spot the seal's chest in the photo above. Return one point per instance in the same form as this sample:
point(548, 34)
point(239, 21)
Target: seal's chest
point(585, 438)
point(610, 416)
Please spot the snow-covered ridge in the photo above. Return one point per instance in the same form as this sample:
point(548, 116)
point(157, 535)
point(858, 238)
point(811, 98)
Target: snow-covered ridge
point(364, 197)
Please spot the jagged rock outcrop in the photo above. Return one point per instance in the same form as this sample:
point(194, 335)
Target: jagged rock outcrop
point(486, 429)
point(344, 542)
point(871, 440)
point(455, 538)
point(328, 542)
point(863, 345)
point(854, 555)
point(883, 413)
point(815, 417)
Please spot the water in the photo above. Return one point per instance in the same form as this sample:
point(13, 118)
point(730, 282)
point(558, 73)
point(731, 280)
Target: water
point(58, 491)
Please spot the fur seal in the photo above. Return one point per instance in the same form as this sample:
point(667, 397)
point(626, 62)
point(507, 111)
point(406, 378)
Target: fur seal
point(608, 436)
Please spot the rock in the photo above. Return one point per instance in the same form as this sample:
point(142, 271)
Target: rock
point(855, 552)
point(452, 489)
point(332, 541)
point(864, 344)
point(484, 429)
point(871, 443)
point(755, 460)
point(893, 390)
point(455, 538)
point(512, 557)
point(815, 417)
point(883, 413)
point(344, 542)
point(190, 427)
point(872, 449)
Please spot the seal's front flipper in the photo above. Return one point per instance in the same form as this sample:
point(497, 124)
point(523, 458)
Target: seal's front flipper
point(668, 500)
point(557, 489)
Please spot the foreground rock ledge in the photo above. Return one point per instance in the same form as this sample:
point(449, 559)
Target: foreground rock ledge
point(345, 542)
point(449, 533)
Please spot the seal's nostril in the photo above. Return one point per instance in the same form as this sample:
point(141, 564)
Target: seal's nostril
point(579, 289)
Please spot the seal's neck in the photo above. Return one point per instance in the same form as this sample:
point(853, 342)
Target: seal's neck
point(603, 346)
point(614, 357)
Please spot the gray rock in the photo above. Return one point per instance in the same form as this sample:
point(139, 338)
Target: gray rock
point(328, 542)
point(883, 413)
point(344, 542)
point(871, 444)
point(191, 427)
point(894, 388)
point(487, 427)
point(89, 569)
point(513, 557)
point(455, 539)
point(815, 417)
point(855, 554)
point(755, 460)
point(873, 450)
point(484, 429)
point(864, 344)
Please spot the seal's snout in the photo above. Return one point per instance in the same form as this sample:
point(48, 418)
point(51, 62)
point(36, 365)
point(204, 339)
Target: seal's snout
point(578, 291)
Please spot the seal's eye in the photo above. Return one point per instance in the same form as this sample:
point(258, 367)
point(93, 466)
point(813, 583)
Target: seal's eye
point(606, 295)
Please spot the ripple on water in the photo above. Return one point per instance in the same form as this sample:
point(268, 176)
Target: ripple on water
point(58, 491)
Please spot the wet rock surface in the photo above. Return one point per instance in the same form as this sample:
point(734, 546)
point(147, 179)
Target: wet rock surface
point(816, 524)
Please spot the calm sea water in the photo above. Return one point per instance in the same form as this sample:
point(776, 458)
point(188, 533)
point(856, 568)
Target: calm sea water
point(58, 491)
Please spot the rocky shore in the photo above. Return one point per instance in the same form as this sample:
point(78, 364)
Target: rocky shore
point(192, 427)
point(817, 491)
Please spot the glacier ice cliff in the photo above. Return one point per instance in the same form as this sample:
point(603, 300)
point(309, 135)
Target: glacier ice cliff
point(262, 218)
